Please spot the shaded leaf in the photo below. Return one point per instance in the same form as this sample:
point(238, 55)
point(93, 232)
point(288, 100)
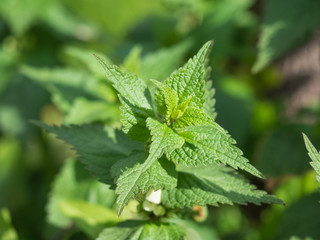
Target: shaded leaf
point(98, 148)
point(212, 185)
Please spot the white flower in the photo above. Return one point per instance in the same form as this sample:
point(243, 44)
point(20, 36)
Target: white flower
point(154, 196)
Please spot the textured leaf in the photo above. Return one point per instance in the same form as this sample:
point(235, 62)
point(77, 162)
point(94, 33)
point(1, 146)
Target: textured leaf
point(149, 173)
point(134, 230)
point(193, 117)
point(285, 24)
point(190, 79)
point(98, 148)
point(129, 85)
point(136, 179)
point(208, 106)
point(212, 185)
point(135, 99)
point(314, 155)
point(164, 139)
point(180, 109)
point(208, 144)
point(166, 100)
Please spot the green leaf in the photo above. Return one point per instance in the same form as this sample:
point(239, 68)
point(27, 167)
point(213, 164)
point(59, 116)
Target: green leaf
point(160, 64)
point(134, 230)
point(7, 232)
point(164, 139)
point(84, 59)
point(213, 184)
point(73, 182)
point(194, 117)
point(281, 152)
point(285, 25)
point(98, 148)
point(129, 85)
point(180, 109)
point(166, 100)
point(135, 98)
point(190, 79)
point(196, 231)
point(90, 218)
point(132, 60)
point(149, 173)
point(209, 144)
point(314, 155)
point(210, 102)
point(300, 219)
point(85, 111)
point(21, 15)
point(66, 85)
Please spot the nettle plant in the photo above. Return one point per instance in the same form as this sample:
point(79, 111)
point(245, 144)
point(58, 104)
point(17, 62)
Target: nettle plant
point(170, 155)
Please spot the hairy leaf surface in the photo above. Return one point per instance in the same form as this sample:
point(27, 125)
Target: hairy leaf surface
point(98, 148)
point(148, 174)
point(135, 98)
point(166, 100)
point(208, 144)
point(213, 184)
point(190, 79)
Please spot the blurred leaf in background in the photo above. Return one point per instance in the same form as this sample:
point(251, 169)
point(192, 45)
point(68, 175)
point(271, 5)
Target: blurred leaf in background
point(286, 24)
point(7, 232)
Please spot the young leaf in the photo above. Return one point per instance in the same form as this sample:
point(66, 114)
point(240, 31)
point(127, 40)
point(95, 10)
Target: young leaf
point(208, 144)
point(193, 117)
point(134, 230)
point(149, 174)
point(190, 79)
point(180, 109)
point(314, 155)
point(97, 147)
point(135, 98)
point(166, 99)
point(213, 185)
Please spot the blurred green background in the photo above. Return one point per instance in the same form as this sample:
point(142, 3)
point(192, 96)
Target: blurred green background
point(265, 69)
